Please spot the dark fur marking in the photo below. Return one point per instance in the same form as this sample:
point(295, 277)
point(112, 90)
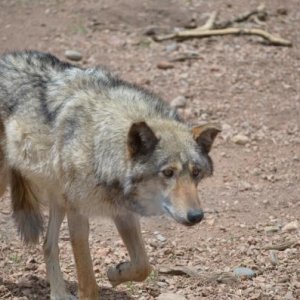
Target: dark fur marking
point(48, 115)
point(29, 84)
point(44, 59)
point(70, 126)
point(40, 85)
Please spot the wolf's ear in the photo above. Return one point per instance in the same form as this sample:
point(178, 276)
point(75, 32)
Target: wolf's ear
point(141, 139)
point(205, 135)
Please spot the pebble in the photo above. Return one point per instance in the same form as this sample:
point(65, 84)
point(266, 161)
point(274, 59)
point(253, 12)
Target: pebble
point(240, 139)
point(282, 11)
point(73, 55)
point(179, 102)
point(271, 229)
point(244, 186)
point(273, 257)
point(171, 47)
point(161, 238)
point(289, 296)
point(165, 65)
point(150, 31)
point(256, 172)
point(290, 226)
point(241, 271)
point(170, 296)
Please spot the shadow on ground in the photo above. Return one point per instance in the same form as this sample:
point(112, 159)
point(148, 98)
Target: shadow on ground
point(37, 288)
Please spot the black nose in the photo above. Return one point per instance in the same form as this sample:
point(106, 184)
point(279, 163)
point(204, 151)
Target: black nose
point(195, 216)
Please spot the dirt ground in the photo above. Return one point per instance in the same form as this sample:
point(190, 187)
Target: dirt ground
point(251, 88)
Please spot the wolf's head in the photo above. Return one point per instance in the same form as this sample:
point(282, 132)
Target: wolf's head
point(167, 161)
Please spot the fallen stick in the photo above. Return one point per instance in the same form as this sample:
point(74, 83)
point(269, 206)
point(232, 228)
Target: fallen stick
point(210, 23)
point(200, 33)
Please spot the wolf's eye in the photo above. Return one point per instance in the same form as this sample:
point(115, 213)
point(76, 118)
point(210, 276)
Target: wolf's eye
point(169, 173)
point(196, 172)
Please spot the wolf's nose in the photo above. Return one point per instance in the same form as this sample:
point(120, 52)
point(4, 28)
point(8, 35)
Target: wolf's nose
point(195, 216)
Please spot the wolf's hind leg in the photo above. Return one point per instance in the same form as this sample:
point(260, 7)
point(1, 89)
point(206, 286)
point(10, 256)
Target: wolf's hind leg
point(79, 234)
point(51, 254)
point(138, 268)
point(3, 173)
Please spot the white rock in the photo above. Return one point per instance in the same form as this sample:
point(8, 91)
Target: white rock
point(240, 139)
point(161, 238)
point(170, 296)
point(73, 55)
point(290, 226)
point(227, 132)
point(171, 47)
point(241, 271)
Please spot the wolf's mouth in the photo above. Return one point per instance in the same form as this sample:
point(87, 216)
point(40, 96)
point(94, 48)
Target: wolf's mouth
point(170, 212)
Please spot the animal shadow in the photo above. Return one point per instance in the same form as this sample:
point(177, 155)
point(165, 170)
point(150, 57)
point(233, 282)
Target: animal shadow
point(32, 287)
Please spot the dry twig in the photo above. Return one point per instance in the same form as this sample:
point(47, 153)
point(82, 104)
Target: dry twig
point(199, 33)
point(211, 28)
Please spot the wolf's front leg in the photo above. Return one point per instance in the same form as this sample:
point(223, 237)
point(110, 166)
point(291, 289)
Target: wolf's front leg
point(79, 234)
point(51, 253)
point(138, 268)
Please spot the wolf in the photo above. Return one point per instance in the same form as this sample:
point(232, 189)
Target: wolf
point(86, 143)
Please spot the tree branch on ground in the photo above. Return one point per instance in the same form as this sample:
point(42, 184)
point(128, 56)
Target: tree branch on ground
point(212, 28)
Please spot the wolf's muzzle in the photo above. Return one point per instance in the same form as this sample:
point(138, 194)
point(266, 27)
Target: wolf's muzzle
point(195, 216)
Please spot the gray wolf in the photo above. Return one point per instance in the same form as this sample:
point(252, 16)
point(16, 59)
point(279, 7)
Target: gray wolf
point(87, 143)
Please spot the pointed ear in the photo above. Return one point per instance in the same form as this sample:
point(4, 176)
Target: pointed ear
point(205, 135)
point(141, 139)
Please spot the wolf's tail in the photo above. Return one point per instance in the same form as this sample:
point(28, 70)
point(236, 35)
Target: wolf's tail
point(26, 209)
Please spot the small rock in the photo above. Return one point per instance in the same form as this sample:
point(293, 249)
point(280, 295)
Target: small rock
point(256, 172)
point(227, 132)
point(165, 65)
point(171, 47)
point(289, 296)
point(245, 186)
point(170, 296)
point(179, 102)
point(162, 284)
point(150, 31)
point(210, 221)
point(240, 139)
point(244, 272)
point(161, 238)
point(73, 55)
point(290, 226)
point(282, 11)
point(271, 229)
point(273, 257)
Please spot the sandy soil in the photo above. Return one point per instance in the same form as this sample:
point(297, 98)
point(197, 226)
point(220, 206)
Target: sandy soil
point(251, 88)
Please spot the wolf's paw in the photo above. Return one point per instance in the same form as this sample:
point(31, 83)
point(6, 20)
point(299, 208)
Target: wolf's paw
point(63, 297)
point(126, 271)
